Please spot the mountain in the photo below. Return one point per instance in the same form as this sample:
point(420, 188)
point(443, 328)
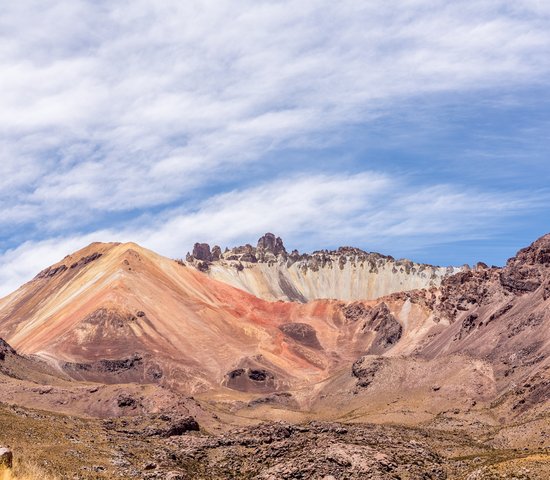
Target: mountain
point(116, 330)
point(118, 312)
point(269, 272)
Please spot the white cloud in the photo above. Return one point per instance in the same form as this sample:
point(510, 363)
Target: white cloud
point(121, 105)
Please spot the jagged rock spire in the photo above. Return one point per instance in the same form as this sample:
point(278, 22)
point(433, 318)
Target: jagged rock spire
point(201, 251)
point(272, 244)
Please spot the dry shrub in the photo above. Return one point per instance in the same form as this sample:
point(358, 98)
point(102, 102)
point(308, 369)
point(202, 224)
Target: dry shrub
point(26, 471)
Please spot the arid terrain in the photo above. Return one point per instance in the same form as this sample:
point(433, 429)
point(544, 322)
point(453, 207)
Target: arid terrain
point(254, 362)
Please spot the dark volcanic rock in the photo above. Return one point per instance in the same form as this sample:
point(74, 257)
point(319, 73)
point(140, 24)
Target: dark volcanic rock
point(538, 253)
point(180, 426)
point(355, 311)
point(270, 243)
point(202, 266)
point(366, 368)
point(5, 348)
point(85, 260)
point(468, 324)
point(107, 317)
point(388, 329)
point(129, 369)
point(258, 375)
point(250, 380)
point(528, 269)
point(201, 251)
point(216, 253)
point(54, 271)
point(125, 400)
point(520, 280)
point(464, 290)
point(302, 333)
point(51, 271)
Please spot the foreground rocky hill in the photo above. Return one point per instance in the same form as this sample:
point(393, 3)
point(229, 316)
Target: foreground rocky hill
point(161, 348)
point(268, 271)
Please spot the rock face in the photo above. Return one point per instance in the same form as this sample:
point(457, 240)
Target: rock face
point(388, 330)
point(528, 269)
point(269, 244)
point(201, 251)
point(269, 272)
point(5, 349)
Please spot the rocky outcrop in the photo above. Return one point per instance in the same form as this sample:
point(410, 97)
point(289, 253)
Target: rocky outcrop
point(138, 368)
point(270, 272)
point(51, 272)
point(173, 427)
point(527, 271)
point(251, 380)
point(302, 333)
point(56, 270)
point(366, 368)
point(216, 253)
point(269, 245)
point(524, 273)
point(386, 327)
point(460, 292)
point(201, 251)
point(85, 260)
point(5, 349)
point(356, 311)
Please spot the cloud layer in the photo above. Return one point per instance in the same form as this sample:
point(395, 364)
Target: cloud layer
point(117, 106)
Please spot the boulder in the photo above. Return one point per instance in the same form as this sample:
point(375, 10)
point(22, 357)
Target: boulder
point(174, 427)
point(180, 426)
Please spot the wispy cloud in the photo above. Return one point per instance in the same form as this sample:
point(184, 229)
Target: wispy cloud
point(118, 106)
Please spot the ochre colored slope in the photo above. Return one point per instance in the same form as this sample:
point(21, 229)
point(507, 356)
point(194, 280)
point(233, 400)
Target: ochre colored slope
point(119, 300)
point(118, 313)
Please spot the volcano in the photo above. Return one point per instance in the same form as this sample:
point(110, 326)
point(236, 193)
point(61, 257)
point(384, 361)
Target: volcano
point(258, 334)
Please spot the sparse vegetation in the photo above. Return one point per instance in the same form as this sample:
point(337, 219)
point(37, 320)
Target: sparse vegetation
point(26, 471)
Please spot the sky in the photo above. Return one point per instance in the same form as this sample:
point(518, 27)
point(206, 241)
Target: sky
point(415, 128)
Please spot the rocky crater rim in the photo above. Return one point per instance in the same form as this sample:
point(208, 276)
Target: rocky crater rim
point(270, 249)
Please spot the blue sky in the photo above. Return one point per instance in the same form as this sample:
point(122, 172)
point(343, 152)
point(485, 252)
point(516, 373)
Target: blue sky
point(418, 128)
